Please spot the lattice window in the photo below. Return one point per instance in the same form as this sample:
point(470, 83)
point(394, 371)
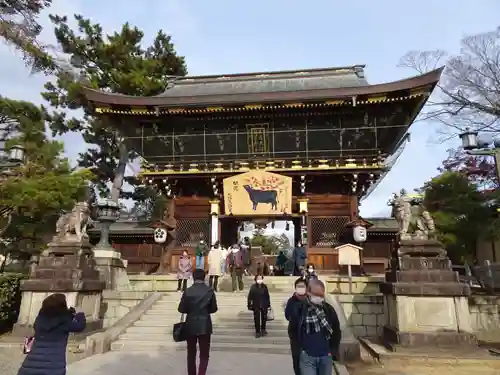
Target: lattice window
point(191, 231)
point(327, 231)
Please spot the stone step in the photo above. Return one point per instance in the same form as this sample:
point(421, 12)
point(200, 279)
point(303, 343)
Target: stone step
point(256, 346)
point(159, 338)
point(246, 330)
point(227, 322)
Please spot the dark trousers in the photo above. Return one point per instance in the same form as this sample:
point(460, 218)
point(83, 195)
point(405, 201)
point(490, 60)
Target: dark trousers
point(182, 284)
point(237, 278)
point(213, 281)
point(204, 344)
point(259, 320)
point(295, 349)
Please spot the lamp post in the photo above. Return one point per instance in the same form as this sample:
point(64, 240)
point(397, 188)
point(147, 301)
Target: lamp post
point(107, 213)
point(474, 146)
point(14, 159)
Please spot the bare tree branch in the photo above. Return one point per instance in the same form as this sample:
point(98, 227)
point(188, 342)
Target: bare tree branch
point(468, 95)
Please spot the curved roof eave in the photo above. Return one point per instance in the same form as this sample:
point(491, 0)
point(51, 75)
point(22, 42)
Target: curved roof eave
point(105, 98)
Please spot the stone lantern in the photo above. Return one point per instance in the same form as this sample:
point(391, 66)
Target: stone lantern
point(108, 261)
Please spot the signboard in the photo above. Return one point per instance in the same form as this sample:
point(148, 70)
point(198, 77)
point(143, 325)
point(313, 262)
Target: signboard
point(349, 255)
point(258, 193)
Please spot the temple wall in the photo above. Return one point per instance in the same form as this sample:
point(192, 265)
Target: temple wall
point(364, 313)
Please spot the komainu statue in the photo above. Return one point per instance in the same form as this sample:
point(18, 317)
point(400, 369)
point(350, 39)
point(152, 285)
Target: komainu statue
point(413, 219)
point(73, 225)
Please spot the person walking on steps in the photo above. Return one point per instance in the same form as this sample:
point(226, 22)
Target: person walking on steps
point(200, 252)
point(198, 302)
point(310, 273)
point(214, 266)
point(54, 323)
point(291, 309)
point(318, 332)
point(184, 271)
point(259, 302)
point(299, 256)
point(235, 265)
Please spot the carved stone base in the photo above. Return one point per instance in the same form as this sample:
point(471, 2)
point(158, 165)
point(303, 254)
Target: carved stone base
point(65, 267)
point(429, 339)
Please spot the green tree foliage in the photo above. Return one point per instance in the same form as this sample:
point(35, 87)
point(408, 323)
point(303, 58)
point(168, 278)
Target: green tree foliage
point(43, 186)
point(268, 244)
point(115, 63)
point(20, 28)
point(462, 213)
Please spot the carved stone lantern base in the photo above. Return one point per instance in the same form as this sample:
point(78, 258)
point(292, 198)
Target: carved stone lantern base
point(425, 303)
point(67, 267)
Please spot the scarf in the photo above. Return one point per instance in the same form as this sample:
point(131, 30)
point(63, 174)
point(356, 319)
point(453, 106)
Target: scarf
point(316, 320)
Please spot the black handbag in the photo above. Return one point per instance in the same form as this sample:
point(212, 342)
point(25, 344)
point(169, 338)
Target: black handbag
point(178, 332)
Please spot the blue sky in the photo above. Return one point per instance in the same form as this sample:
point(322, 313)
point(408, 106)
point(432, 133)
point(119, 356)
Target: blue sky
point(223, 36)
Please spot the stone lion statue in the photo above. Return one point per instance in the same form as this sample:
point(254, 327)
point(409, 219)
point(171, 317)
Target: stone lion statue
point(73, 225)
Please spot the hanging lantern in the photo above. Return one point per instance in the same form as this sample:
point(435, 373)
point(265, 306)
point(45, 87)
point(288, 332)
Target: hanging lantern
point(160, 235)
point(359, 234)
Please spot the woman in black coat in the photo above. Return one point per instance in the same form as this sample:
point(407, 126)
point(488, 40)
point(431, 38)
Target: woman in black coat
point(54, 323)
point(259, 302)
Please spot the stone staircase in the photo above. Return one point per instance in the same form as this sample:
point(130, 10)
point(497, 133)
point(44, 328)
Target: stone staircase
point(233, 327)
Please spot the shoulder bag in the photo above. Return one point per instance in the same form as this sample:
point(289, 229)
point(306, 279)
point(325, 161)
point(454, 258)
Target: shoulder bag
point(178, 331)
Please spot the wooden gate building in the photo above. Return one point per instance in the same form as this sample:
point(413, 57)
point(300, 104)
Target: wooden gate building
point(221, 145)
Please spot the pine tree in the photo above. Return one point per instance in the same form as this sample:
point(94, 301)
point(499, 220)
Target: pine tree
point(115, 63)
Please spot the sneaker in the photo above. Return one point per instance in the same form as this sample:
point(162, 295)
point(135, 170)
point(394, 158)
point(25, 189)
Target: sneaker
point(257, 335)
point(264, 333)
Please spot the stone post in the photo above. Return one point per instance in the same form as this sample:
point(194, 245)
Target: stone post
point(426, 306)
point(108, 261)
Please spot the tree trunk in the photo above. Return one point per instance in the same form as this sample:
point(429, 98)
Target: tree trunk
point(4, 229)
point(120, 172)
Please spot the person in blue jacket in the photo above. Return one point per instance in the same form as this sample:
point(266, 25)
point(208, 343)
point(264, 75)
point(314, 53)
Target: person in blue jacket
point(291, 310)
point(54, 323)
point(299, 257)
point(317, 327)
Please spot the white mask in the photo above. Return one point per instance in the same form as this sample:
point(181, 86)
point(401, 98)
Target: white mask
point(260, 281)
point(317, 300)
point(300, 291)
point(235, 249)
point(310, 270)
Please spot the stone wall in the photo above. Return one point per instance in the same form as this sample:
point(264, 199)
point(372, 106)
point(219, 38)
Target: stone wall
point(485, 317)
point(116, 305)
point(364, 313)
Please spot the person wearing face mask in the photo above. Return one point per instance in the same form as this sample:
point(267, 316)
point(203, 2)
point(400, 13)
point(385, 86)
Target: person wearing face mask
point(259, 302)
point(318, 331)
point(310, 273)
point(235, 265)
point(184, 271)
point(291, 309)
point(299, 257)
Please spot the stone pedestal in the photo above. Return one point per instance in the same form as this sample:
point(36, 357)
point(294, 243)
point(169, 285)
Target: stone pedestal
point(425, 303)
point(112, 270)
point(66, 267)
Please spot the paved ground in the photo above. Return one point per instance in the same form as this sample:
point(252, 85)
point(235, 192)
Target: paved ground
point(12, 358)
point(123, 363)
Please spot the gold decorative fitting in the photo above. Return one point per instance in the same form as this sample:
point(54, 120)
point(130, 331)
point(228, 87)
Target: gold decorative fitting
point(218, 167)
point(377, 99)
point(243, 166)
point(351, 163)
point(193, 167)
point(253, 106)
point(323, 163)
point(293, 105)
point(214, 109)
point(296, 164)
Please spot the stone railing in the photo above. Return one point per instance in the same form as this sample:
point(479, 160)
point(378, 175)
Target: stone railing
point(364, 313)
point(115, 305)
point(485, 316)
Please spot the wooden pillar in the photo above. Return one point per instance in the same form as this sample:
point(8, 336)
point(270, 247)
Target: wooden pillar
point(214, 223)
point(354, 207)
point(304, 227)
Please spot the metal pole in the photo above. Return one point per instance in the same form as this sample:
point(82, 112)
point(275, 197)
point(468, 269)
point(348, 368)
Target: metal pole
point(349, 275)
point(497, 163)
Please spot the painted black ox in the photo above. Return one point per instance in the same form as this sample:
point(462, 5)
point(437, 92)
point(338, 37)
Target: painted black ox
point(262, 196)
